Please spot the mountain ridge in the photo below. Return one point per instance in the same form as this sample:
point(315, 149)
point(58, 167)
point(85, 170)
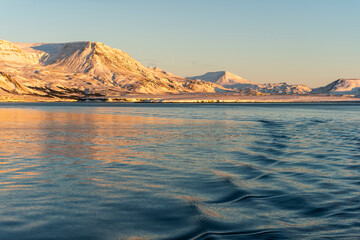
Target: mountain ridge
point(225, 79)
point(232, 81)
point(86, 68)
point(90, 68)
point(341, 86)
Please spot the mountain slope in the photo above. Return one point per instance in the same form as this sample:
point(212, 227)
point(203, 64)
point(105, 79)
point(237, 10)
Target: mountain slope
point(85, 68)
point(10, 85)
point(10, 52)
point(341, 86)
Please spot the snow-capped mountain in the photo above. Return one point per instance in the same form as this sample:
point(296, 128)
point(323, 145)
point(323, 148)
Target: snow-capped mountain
point(75, 69)
point(226, 79)
point(84, 68)
point(341, 86)
point(232, 81)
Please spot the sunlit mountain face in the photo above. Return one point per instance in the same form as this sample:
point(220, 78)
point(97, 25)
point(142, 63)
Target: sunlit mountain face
point(235, 82)
point(341, 87)
point(84, 68)
point(91, 69)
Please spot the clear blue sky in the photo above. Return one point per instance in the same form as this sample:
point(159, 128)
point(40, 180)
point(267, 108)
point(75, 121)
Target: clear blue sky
point(311, 42)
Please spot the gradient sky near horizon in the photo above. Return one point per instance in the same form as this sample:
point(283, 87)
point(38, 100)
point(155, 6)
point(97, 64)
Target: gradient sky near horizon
point(311, 42)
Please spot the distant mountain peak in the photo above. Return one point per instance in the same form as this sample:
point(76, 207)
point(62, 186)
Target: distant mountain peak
point(225, 79)
point(341, 86)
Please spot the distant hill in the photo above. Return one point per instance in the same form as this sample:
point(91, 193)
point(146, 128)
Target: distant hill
point(341, 86)
point(232, 81)
point(225, 79)
point(284, 88)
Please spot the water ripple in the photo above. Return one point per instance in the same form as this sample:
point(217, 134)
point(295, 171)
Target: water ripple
point(135, 171)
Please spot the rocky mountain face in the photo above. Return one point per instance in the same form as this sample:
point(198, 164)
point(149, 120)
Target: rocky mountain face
point(341, 87)
point(84, 68)
point(232, 81)
point(10, 85)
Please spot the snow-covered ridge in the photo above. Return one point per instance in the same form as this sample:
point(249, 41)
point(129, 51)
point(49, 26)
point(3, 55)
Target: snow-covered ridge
point(284, 88)
point(232, 81)
point(88, 68)
point(10, 52)
point(70, 70)
point(341, 86)
point(225, 79)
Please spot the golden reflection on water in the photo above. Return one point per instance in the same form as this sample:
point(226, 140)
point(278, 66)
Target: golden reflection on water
point(118, 174)
point(28, 136)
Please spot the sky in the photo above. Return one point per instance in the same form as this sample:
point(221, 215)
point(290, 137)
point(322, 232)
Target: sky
point(312, 42)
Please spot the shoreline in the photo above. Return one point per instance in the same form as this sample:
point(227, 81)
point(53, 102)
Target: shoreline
point(220, 98)
point(190, 98)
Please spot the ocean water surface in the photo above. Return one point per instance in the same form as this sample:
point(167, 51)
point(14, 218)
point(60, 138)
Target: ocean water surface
point(179, 171)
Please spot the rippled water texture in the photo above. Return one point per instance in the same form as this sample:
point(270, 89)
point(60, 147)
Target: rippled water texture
point(157, 171)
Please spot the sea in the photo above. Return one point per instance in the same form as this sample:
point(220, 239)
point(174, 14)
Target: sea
point(139, 171)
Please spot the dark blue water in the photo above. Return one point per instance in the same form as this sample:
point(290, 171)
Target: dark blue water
point(179, 171)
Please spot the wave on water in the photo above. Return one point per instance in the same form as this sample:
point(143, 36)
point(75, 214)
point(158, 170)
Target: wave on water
point(185, 172)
